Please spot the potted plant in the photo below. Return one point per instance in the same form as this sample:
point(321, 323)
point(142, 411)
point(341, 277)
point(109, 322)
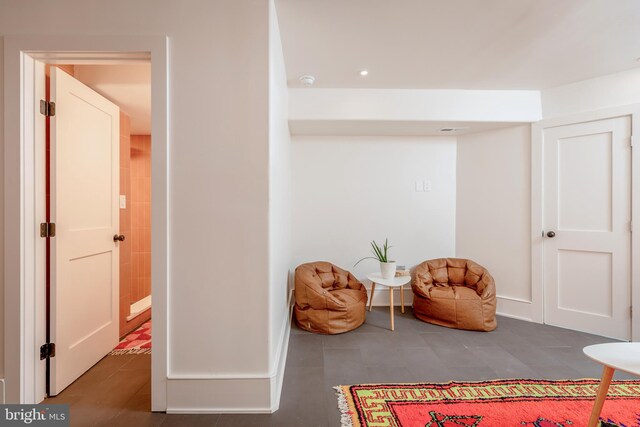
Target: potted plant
point(387, 268)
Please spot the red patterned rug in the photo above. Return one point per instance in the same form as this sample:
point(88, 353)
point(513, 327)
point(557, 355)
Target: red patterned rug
point(499, 403)
point(137, 342)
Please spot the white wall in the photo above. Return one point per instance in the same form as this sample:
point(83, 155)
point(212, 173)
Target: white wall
point(494, 211)
point(594, 94)
point(350, 190)
point(279, 205)
point(218, 183)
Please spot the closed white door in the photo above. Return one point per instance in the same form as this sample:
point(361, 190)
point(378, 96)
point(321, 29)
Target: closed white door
point(85, 134)
point(587, 219)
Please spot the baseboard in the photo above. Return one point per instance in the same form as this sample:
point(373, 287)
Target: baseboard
point(281, 360)
point(219, 395)
point(190, 411)
point(231, 393)
point(514, 308)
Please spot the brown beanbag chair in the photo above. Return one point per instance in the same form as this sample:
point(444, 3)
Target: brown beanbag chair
point(456, 293)
point(329, 300)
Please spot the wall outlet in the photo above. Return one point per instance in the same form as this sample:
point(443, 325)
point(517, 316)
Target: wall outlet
point(123, 201)
point(427, 185)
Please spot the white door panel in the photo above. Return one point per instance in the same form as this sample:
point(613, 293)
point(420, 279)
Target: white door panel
point(573, 154)
point(573, 276)
point(587, 204)
point(85, 143)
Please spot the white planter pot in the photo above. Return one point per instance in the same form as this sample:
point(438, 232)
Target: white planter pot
point(388, 269)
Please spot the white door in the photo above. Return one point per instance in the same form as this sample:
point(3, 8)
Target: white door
point(85, 139)
point(587, 204)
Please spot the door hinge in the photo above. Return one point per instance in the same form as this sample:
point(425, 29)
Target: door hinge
point(47, 108)
point(631, 141)
point(47, 350)
point(47, 229)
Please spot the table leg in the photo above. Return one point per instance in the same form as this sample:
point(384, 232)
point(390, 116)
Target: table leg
point(402, 298)
point(607, 374)
point(373, 288)
point(391, 306)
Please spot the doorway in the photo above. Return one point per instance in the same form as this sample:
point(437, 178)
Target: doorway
point(98, 193)
point(587, 226)
point(24, 140)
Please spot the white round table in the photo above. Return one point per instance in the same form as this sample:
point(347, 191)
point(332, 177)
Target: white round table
point(394, 282)
point(623, 356)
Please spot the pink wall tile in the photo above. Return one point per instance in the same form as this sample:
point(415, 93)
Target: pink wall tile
point(141, 215)
point(125, 223)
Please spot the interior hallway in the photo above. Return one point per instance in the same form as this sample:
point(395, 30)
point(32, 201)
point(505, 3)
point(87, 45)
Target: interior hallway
point(117, 391)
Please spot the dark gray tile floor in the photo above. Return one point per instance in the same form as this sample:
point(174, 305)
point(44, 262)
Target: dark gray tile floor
point(116, 392)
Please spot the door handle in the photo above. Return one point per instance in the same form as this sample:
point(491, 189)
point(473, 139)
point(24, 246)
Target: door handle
point(551, 234)
point(118, 238)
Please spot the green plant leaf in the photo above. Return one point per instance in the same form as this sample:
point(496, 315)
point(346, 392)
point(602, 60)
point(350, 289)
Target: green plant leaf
point(380, 252)
point(367, 257)
point(375, 249)
point(386, 247)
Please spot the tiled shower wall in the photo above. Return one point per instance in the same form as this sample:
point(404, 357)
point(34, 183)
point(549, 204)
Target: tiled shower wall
point(132, 287)
point(125, 225)
point(140, 216)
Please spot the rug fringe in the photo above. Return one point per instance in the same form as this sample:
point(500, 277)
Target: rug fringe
point(345, 414)
point(124, 351)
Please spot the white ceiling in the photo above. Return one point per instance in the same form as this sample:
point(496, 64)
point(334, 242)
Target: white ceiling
point(126, 85)
point(457, 44)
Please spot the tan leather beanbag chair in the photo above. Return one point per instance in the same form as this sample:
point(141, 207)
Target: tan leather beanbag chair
point(329, 300)
point(456, 293)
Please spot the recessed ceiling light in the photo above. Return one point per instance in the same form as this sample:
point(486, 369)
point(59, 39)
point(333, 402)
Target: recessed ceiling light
point(364, 73)
point(452, 129)
point(307, 80)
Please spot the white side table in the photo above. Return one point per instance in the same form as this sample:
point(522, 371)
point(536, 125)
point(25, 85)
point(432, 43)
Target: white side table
point(624, 356)
point(394, 282)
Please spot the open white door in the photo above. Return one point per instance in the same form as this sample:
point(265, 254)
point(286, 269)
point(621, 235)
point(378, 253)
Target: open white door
point(85, 139)
point(587, 220)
